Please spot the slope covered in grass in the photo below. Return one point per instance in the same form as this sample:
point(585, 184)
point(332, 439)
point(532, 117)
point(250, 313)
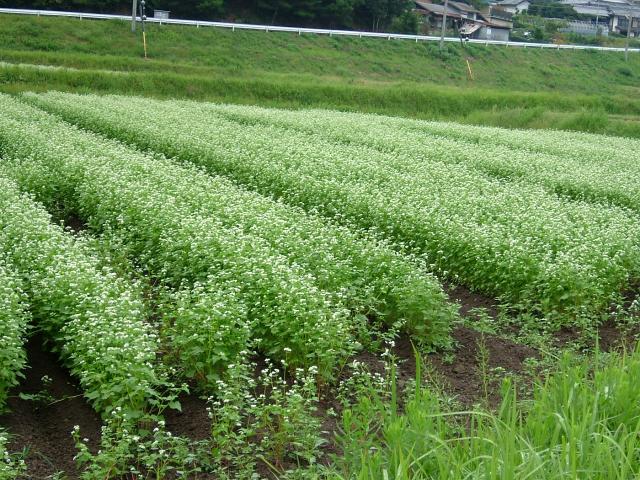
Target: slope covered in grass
point(193, 51)
point(575, 90)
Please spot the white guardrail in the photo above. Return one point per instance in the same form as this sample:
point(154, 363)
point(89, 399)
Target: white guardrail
point(300, 31)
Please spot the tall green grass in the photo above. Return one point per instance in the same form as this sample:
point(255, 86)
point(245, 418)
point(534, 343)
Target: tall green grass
point(485, 107)
point(583, 422)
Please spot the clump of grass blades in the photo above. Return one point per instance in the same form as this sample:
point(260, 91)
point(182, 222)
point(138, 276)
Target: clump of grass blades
point(583, 421)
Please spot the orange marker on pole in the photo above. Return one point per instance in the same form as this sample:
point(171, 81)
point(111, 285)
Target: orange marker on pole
point(469, 69)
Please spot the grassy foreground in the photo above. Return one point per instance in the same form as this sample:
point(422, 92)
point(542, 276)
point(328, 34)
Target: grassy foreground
point(581, 90)
point(581, 422)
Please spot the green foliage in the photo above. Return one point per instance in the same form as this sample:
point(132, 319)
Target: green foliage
point(126, 450)
point(478, 4)
point(205, 327)
point(280, 69)
point(582, 422)
point(14, 320)
point(552, 26)
point(539, 252)
point(626, 71)
point(407, 23)
point(589, 40)
point(375, 14)
point(596, 122)
point(235, 270)
point(363, 274)
point(378, 15)
point(552, 9)
point(488, 107)
point(142, 201)
point(191, 9)
point(277, 11)
point(12, 465)
point(96, 319)
point(270, 418)
point(102, 6)
point(538, 34)
point(572, 168)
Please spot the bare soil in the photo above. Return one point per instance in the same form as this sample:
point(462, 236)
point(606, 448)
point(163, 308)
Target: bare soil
point(463, 376)
point(470, 300)
point(75, 223)
point(610, 337)
point(44, 428)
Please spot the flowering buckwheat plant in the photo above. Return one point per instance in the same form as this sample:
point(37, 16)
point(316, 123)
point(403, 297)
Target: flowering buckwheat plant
point(513, 238)
point(363, 273)
point(230, 283)
point(95, 318)
point(11, 465)
point(14, 320)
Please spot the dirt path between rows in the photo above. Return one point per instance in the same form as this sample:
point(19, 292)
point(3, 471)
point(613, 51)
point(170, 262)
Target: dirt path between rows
point(44, 428)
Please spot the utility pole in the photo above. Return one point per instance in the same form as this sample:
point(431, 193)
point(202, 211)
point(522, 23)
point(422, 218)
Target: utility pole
point(444, 23)
point(626, 46)
point(134, 11)
point(629, 26)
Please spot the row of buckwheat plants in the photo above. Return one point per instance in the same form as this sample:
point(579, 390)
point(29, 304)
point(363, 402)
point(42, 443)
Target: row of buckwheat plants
point(95, 319)
point(597, 174)
point(515, 240)
point(14, 320)
point(364, 274)
point(565, 144)
point(232, 287)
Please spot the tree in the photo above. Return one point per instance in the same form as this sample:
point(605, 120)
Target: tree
point(367, 14)
point(197, 9)
point(379, 14)
point(82, 5)
point(288, 11)
point(538, 34)
point(407, 23)
point(478, 4)
point(552, 9)
point(210, 7)
point(338, 13)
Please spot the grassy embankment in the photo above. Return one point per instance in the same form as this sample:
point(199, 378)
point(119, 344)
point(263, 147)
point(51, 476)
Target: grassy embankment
point(581, 90)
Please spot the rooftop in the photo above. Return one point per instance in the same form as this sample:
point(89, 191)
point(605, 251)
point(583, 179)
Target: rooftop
point(591, 10)
point(463, 6)
point(511, 2)
point(437, 9)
